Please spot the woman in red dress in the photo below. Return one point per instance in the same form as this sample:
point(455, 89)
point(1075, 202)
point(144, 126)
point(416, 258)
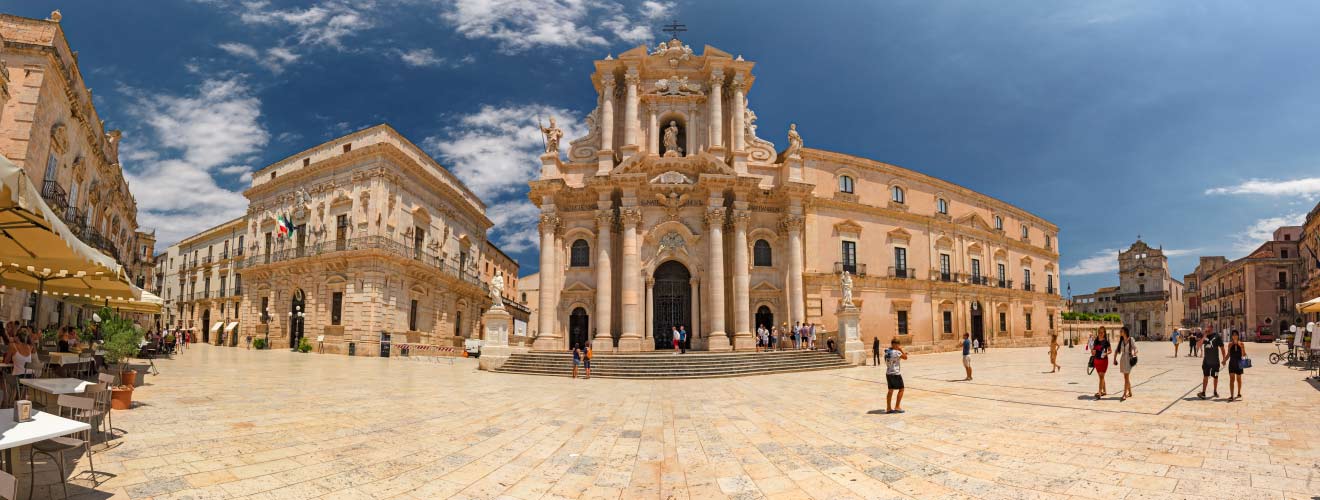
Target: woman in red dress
point(1100, 359)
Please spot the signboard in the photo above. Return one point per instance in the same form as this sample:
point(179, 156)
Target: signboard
point(519, 328)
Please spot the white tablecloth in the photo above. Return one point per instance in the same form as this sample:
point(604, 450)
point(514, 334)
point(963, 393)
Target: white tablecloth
point(56, 385)
point(42, 426)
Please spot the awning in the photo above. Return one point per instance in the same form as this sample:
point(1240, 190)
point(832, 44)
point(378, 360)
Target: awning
point(216, 326)
point(1309, 306)
point(39, 252)
point(150, 303)
point(230, 327)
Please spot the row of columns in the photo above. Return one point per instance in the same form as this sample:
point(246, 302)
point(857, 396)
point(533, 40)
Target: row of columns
point(631, 107)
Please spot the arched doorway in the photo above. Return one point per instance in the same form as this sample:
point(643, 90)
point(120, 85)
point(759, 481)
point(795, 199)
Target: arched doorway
point(764, 318)
point(978, 323)
point(578, 322)
point(296, 309)
point(206, 326)
point(671, 303)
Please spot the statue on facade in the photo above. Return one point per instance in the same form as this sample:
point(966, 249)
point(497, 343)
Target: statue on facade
point(671, 139)
point(497, 290)
point(552, 136)
point(794, 141)
point(845, 282)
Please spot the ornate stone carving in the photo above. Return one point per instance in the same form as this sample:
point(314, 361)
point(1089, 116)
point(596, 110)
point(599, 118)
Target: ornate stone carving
point(671, 177)
point(632, 78)
point(717, 77)
point(794, 141)
point(549, 223)
point(671, 140)
point(676, 85)
point(741, 218)
point(605, 219)
point(672, 203)
point(552, 137)
point(846, 283)
point(792, 223)
point(673, 48)
point(585, 147)
point(59, 138)
point(671, 242)
point(630, 216)
point(715, 216)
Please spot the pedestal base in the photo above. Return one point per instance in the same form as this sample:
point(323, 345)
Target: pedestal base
point(744, 342)
point(544, 343)
point(602, 343)
point(630, 344)
point(648, 345)
point(850, 332)
point(718, 342)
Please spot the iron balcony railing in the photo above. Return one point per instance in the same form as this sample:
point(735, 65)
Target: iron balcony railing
point(365, 243)
point(1030, 287)
point(55, 196)
point(977, 279)
point(1142, 296)
point(1005, 283)
point(852, 268)
point(902, 272)
point(1051, 290)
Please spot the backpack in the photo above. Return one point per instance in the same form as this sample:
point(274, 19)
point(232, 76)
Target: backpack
point(588, 353)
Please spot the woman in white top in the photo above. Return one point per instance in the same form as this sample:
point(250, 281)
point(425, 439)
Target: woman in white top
point(23, 354)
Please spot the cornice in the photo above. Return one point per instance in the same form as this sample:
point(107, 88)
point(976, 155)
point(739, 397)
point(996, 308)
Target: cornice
point(869, 164)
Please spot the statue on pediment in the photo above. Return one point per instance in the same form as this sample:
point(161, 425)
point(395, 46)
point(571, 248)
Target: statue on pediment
point(552, 136)
point(794, 141)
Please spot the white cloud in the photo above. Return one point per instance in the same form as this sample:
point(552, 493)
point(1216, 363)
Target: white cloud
point(523, 24)
point(1263, 230)
point(186, 140)
point(495, 151)
point(1308, 187)
point(274, 58)
point(1104, 261)
point(327, 23)
point(420, 57)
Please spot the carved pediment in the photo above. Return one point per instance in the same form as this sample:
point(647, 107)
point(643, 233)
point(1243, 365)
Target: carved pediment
point(671, 177)
point(692, 164)
point(848, 227)
point(899, 234)
point(578, 286)
point(765, 287)
point(974, 220)
point(677, 86)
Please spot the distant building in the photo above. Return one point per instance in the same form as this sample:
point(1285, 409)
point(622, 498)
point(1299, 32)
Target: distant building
point(201, 288)
point(1256, 294)
point(1147, 298)
point(1101, 302)
point(1309, 273)
point(1197, 308)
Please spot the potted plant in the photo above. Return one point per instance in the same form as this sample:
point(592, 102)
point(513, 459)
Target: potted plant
point(258, 343)
point(122, 340)
point(304, 346)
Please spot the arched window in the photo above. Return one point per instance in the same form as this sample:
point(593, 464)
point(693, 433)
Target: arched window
point(943, 206)
point(898, 194)
point(999, 222)
point(581, 254)
point(761, 253)
point(845, 184)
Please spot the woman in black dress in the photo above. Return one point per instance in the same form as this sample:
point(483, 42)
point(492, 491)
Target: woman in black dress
point(1236, 351)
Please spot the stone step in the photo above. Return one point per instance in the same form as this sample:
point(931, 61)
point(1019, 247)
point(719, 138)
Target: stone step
point(665, 365)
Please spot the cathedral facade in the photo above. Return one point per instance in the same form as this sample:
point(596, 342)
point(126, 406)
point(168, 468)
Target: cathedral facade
point(673, 212)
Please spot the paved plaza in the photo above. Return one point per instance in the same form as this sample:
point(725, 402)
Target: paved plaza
point(229, 423)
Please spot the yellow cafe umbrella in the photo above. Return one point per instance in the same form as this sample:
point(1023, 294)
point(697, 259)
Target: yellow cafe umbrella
point(149, 303)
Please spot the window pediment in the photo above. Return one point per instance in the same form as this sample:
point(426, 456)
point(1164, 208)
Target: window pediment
point(899, 234)
point(848, 227)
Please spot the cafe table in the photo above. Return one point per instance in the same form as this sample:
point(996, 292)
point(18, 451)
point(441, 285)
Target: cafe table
point(41, 427)
point(56, 386)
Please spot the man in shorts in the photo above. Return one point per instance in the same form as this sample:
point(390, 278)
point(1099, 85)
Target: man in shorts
point(967, 355)
point(893, 378)
point(1212, 352)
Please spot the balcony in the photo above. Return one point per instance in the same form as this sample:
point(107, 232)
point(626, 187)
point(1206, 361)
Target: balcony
point(977, 279)
point(902, 272)
point(1282, 285)
point(1142, 296)
point(1051, 290)
point(1003, 283)
point(55, 197)
point(944, 276)
point(852, 268)
point(379, 244)
point(1030, 287)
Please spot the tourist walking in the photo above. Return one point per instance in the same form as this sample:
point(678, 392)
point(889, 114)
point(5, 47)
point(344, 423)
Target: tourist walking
point(1126, 358)
point(1210, 361)
point(682, 339)
point(967, 355)
point(577, 359)
point(893, 377)
point(875, 351)
point(1100, 349)
point(1237, 356)
point(1175, 342)
point(586, 361)
point(675, 338)
point(1054, 353)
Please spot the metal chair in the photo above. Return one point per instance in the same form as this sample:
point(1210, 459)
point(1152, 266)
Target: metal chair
point(75, 408)
point(8, 486)
point(85, 362)
point(100, 394)
point(14, 391)
point(108, 379)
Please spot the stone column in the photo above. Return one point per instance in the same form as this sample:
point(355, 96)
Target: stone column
point(716, 103)
point(653, 134)
point(630, 109)
point(742, 331)
point(695, 327)
point(547, 338)
point(736, 135)
point(630, 339)
point(604, 340)
point(648, 340)
point(797, 307)
point(718, 339)
point(606, 153)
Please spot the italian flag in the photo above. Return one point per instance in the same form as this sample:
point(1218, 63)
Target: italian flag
point(282, 225)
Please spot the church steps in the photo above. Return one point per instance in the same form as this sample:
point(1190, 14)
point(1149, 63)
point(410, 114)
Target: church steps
point(667, 365)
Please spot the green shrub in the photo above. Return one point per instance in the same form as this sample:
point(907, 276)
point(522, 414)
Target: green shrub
point(304, 345)
point(1085, 316)
point(122, 338)
point(259, 343)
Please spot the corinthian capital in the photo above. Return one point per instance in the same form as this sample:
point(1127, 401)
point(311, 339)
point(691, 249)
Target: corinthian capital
point(792, 223)
point(549, 223)
point(715, 217)
point(630, 216)
point(632, 77)
point(717, 77)
point(737, 83)
point(607, 83)
point(605, 219)
point(741, 218)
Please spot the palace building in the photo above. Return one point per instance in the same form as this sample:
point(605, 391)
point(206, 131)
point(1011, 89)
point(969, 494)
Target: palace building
point(674, 211)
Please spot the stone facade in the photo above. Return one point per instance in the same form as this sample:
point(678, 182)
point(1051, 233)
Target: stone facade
point(1309, 251)
point(673, 211)
point(1103, 301)
point(1256, 294)
point(201, 284)
point(1149, 299)
point(50, 127)
point(383, 239)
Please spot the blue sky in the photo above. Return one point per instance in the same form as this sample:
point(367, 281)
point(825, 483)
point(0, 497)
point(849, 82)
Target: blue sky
point(1192, 124)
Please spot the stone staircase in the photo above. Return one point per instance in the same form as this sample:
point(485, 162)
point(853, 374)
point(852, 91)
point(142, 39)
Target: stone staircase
point(666, 365)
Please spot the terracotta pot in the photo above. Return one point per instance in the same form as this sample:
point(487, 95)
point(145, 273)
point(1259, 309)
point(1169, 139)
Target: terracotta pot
point(128, 378)
point(121, 398)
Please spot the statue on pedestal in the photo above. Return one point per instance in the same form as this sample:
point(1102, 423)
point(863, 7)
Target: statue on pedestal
point(497, 290)
point(671, 139)
point(794, 141)
point(552, 136)
point(845, 282)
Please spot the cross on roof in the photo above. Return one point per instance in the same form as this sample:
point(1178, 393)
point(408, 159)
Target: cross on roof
point(674, 28)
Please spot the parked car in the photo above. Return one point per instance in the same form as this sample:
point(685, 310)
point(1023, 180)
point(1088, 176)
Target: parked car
point(1265, 336)
point(473, 347)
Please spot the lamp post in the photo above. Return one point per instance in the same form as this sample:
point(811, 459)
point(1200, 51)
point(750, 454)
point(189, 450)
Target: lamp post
point(1070, 340)
point(265, 320)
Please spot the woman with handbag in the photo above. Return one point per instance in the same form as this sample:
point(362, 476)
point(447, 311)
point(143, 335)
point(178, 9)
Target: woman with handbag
point(1237, 356)
point(1100, 359)
point(1127, 358)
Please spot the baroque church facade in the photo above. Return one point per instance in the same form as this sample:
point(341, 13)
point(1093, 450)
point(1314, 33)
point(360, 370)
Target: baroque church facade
point(673, 211)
